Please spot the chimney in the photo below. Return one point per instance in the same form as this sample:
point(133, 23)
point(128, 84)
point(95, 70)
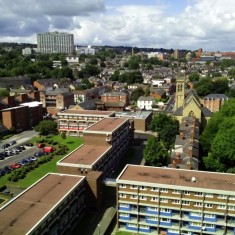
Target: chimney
point(188, 165)
point(182, 135)
point(174, 163)
point(190, 151)
point(177, 155)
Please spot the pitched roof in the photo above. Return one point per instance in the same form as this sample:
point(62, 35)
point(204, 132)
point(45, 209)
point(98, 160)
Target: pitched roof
point(216, 96)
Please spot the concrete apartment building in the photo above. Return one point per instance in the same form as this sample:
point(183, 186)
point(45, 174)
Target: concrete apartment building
point(105, 143)
point(73, 122)
point(55, 42)
point(214, 101)
point(50, 206)
point(152, 200)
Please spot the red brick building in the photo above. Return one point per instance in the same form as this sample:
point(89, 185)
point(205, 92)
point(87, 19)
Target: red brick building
point(115, 97)
point(214, 101)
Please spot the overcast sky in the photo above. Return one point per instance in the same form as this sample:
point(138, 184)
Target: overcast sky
point(182, 24)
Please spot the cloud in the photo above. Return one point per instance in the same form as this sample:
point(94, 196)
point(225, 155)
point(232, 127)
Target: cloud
point(198, 23)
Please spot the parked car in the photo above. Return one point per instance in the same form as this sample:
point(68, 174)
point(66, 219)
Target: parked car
point(2, 157)
point(8, 169)
point(39, 154)
point(2, 172)
point(33, 158)
point(23, 162)
point(21, 147)
point(29, 144)
point(48, 149)
point(5, 146)
point(15, 166)
point(12, 142)
point(41, 145)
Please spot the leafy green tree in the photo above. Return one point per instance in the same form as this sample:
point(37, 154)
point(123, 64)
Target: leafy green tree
point(46, 127)
point(63, 135)
point(4, 93)
point(155, 154)
point(194, 77)
point(137, 93)
point(131, 77)
point(115, 75)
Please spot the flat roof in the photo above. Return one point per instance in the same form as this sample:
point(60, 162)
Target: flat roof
point(135, 115)
point(178, 178)
point(106, 125)
point(85, 155)
point(86, 112)
point(21, 214)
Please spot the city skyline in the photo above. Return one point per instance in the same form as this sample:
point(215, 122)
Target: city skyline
point(182, 24)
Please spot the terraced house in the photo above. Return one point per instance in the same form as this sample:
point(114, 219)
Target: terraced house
point(152, 200)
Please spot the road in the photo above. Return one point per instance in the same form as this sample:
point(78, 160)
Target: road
point(20, 139)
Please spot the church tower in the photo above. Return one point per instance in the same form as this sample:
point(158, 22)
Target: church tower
point(180, 93)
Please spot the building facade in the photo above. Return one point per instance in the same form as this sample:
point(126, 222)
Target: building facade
point(73, 122)
point(214, 101)
point(153, 200)
point(53, 205)
point(55, 42)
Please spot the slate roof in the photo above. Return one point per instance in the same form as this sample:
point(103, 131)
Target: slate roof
point(216, 96)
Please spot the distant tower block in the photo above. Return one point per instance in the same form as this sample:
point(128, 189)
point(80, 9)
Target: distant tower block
point(176, 54)
point(180, 93)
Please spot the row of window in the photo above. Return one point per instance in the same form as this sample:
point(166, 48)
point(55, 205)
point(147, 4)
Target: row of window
point(174, 201)
point(175, 191)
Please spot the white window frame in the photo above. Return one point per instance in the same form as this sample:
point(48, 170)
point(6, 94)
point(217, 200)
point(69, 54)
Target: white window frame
point(198, 204)
point(186, 192)
point(176, 201)
point(221, 207)
point(176, 191)
point(164, 190)
point(163, 200)
point(133, 187)
point(198, 194)
point(122, 186)
point(210, 195)
point(122, 195)
point(185, 203)
point(143, 188)
point(143, 198)
point(208, 205)
point(133, 196)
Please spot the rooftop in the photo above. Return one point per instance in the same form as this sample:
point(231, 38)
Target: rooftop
point(106, 125)
point(86, 112)
point(178, 178)
point(135, 115)
point(23, 213)
point(85, 155)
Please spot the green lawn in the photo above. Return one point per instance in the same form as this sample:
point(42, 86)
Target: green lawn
point(71, 142)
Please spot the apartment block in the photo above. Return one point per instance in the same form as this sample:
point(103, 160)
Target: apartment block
point(55, 42)
point(73, 122)
point(105, 143)
point(152, 200)
point(53, 205)
point(214, 101)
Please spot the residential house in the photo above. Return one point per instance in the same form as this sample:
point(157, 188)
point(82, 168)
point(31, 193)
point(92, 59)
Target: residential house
point(145, 102)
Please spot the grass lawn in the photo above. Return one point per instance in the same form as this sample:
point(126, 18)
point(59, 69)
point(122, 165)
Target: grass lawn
point(71, 142)
point(123, 233)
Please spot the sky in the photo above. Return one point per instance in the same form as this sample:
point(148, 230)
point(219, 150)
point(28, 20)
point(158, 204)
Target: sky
point(177, 24)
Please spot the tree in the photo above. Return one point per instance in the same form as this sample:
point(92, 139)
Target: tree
point(4, 93)
point(63, 135)
point(137, 93)
point(194, 77)
point(46, 127)
point(155, 154)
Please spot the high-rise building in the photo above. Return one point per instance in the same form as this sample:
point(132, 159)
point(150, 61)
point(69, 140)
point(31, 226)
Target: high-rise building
point(55, 42)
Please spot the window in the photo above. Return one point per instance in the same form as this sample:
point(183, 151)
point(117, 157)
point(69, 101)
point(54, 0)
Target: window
point(152, 218)
point(186, 193)
point(163, 200)
point(152, 208)
point(124, 214)
point(121, 195)
point(232, 197)
point(197, 214)
point(143, 198)
point(209, 216)
point(164, 220)
point(221, 207)
point(154, 189)
point(143, 188)
point(197, 224)
point(133, 196)
point(122, 186)
point(208, 205)
point(231, 208)
point(187, 203)
point(209, 195)
point(198, 204)
point(199, 194)
point(164, 190)
point(165, 210)
point(154, 199)
point(176, 191)
point(209, 225)
point(133, 187)
point(144, 226)
point(132, 225)
point(176, 202)
point(124, 205)
point(221, 196)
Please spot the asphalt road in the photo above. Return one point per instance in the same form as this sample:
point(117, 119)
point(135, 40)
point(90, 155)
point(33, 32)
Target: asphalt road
point(21, 139)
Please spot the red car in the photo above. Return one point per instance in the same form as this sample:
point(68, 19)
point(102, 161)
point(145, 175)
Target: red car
point(15, 166)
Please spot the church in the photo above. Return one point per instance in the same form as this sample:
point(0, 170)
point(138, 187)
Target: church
point(189, 105)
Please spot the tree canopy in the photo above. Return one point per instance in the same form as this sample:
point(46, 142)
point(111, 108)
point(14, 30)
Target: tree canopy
point(46, 127)
point(218, 139)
